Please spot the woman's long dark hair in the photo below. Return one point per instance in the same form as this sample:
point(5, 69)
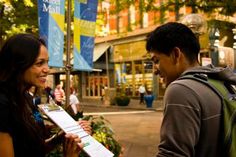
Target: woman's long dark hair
point(17, 55)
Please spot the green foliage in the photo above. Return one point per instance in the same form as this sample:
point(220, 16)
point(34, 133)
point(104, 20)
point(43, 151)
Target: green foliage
point(226, 7)
point(224, 25)
point(122, 100)
point(17, 16)
point(56, 152)
point(103, 132)
point(21, 15)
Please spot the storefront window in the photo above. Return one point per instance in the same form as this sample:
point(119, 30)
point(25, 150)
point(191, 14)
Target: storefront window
point(148, 75)
point(138, 75)
point(130, 76)
point(121, 76)
point(128, 79)
point(148, 68)
point(128, 68)
point(138, 67)
point(95, 85)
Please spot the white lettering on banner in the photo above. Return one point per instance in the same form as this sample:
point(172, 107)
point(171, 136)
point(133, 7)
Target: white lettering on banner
point(88, 43)
point(57, 2)
point(51, 9)
point(51, 6)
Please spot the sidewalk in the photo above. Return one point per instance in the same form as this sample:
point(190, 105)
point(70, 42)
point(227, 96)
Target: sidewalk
point(137, 133)
point(133, 105)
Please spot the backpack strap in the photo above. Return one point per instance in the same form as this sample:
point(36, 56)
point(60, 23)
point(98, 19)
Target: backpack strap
point(203, 78)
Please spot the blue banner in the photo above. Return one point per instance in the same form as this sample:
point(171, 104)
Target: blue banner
point(85, 16)
point(51, 18)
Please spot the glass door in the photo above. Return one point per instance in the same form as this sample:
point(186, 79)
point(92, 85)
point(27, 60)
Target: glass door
point(95, 86)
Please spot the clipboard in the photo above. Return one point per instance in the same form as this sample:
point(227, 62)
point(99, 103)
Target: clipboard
point(60, 117)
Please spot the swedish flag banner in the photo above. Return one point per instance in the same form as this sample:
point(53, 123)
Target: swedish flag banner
point(51, 17)
point(85, 15)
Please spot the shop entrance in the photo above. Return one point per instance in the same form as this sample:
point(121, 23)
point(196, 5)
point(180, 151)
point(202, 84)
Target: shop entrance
point(95, 86)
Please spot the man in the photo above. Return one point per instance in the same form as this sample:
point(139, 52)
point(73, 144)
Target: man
point(142, 91)
point(191, 125)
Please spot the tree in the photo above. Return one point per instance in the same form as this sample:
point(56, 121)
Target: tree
point(17, 16)
point(224, 7)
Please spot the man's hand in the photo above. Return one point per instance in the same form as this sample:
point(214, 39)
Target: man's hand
point(86, 125)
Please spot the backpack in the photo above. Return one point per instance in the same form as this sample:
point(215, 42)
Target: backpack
point(227, 93)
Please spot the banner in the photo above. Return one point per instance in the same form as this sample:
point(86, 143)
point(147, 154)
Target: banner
point(85, 15)
point(51, 18)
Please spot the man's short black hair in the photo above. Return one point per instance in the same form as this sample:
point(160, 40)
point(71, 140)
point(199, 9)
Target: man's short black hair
point(170, 35)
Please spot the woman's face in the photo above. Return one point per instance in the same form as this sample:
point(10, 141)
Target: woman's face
point(36, 74)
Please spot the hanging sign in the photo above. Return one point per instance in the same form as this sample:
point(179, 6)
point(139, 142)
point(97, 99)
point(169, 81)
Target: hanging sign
point(85, 15)
point(51, 18)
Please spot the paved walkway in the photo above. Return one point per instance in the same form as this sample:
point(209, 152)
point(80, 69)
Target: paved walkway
point(133, 105)
point(139, 139)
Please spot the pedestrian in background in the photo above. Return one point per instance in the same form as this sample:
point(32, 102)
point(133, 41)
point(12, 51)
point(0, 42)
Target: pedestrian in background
point(192, 115)
point(49, 93)
point(33, 92)
point(74, 101)
point(59, 95)
point(23, 64)
point(142, 91)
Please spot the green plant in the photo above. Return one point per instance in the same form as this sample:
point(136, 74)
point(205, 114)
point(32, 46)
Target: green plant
point(103, 133)
point(122, 100)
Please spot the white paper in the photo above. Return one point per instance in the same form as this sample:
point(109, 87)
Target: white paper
point(91, 146)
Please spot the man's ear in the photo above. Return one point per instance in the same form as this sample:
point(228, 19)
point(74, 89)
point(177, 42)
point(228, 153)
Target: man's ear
point(176, 55)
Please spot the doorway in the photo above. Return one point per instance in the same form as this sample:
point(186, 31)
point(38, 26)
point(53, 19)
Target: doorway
point(96, 85)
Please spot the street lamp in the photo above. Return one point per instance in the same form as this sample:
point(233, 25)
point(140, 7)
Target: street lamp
point(196, 23)
point(234, 32)
point(234, 44)
point(214, 36)
point(217, 37)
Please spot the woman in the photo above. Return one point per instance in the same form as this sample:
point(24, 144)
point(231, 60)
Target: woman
point(74, 101)
point(24, 63)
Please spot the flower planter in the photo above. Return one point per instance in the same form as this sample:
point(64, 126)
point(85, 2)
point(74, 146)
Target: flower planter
point(122, 101)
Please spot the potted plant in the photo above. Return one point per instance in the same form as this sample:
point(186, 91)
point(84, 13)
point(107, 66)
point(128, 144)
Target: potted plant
point(122, 100)
point(103, 133)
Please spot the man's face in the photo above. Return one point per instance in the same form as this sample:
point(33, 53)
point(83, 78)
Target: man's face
point(165, 66)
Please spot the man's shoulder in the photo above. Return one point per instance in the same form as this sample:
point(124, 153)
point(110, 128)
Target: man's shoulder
point(183, 83)
point(185, 87)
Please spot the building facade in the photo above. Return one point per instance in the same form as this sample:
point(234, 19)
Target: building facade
point(120, 59)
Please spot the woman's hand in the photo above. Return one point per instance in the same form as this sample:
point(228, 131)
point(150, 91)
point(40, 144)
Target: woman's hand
point(72, 145)
point(6, 145)
point(86, 125)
